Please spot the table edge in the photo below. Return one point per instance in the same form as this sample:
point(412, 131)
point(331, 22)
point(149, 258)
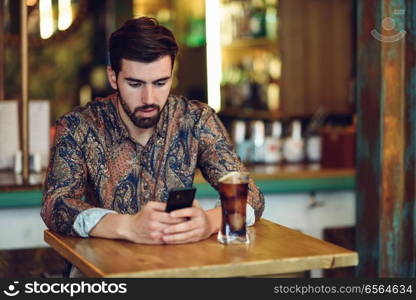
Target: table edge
point(347, 258)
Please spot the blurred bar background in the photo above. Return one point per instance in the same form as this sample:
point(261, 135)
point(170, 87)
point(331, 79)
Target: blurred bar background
point(302, 87)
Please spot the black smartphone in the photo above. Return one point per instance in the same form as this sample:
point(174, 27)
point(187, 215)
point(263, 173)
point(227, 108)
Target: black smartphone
point(180, 198)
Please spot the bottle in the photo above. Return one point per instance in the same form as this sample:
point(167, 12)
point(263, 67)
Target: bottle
point(242, 145)
point(313, 148)
point(273, 144)
point(293, 147)
point(18, 162)
point(35, 162)
point(312, 136)
point(257, 19)
point(257, 140)
point(271, 19)
point(273, 96)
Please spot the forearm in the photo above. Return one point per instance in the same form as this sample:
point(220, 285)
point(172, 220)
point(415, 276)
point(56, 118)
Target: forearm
point(255, 199)
point(215, 219)
point(144, 227)
point(112, 226)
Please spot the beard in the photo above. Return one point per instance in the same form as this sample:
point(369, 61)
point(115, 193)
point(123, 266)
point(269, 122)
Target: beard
point(140, 122)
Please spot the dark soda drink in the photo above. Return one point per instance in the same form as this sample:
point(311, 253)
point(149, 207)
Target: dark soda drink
point(233, 202)
point(233, 191)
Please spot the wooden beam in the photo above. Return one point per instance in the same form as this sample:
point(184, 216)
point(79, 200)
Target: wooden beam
point(368, 140)
point(2, 57)
point(24, 120)
point(385, 181)
point(409, 215)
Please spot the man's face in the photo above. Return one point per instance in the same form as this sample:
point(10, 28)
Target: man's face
point(143, 88)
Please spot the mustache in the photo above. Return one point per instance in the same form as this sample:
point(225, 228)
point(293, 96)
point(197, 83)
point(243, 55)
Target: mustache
point(146, 107)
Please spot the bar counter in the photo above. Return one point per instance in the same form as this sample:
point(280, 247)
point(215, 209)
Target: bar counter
point(272, 179)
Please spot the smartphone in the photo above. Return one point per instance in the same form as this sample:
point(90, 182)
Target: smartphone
point(180, 198)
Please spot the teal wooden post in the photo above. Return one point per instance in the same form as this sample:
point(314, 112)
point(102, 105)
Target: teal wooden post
point(409, 267)
point(386, 129)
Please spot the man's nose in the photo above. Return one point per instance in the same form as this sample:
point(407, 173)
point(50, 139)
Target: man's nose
point(147, 96)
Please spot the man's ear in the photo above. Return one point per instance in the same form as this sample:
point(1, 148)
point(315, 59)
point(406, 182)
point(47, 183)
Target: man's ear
point(112, 77)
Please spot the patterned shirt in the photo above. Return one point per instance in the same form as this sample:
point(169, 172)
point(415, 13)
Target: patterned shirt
point(94, 163)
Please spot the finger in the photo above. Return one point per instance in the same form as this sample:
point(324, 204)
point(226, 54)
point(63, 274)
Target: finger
point(173, 221)
point(182, 227)
point(181, 238)
point(165, 218)
point(154, 205)
point(188, 212)
point(156, 237)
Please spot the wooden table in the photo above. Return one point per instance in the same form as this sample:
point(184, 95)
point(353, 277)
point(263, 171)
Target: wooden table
point(274, 249)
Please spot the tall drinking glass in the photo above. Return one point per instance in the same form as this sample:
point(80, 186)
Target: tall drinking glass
point(233, 189)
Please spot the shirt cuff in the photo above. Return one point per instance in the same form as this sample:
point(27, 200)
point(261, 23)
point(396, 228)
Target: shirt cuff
point(250, 216)
point(87, 220)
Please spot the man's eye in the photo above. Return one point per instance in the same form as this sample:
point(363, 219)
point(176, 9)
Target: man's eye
point(135, 84)
point(160, 83)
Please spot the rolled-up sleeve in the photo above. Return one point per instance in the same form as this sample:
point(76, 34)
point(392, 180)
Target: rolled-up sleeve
point(64, 185)
point(87, 220)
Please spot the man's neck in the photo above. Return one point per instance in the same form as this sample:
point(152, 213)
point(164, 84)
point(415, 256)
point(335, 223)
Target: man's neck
point(140, 135)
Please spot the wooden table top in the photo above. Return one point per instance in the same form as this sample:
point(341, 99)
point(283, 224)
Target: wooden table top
point(274, 249)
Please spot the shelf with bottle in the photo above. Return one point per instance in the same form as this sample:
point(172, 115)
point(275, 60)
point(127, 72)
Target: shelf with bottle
point(326, 140)
point(251, 84)
point(251, 65)
point(271, 142)
point(258, 141)
point(248, 26)
point(252, 19)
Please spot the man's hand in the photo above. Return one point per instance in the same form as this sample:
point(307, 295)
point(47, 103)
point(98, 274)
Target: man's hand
point(199, 226)
point(152, 225)
point(145, 227)
point(148, 225)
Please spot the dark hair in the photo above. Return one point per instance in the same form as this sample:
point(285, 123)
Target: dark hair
point(143, 40)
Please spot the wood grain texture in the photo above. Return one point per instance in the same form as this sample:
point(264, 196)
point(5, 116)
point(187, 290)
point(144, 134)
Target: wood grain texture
point(317, 49)
point(386, 135)
point(2, 55)
point(274, 249)
point(368, 139)
point(409, 214)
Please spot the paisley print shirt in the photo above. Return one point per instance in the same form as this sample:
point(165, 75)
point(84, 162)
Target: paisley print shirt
point(95, 163)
